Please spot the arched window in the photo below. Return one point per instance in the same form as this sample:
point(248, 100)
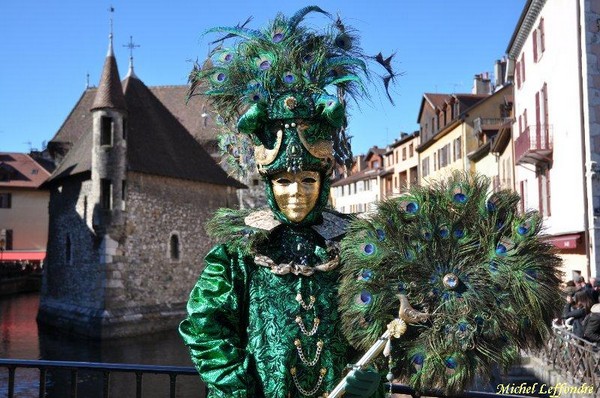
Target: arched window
point(174, 250)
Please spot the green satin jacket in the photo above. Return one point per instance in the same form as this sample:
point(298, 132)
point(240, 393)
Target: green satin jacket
point(253, 332)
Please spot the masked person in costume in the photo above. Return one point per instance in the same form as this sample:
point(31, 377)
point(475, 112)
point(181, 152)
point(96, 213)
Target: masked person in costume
point(263, 319)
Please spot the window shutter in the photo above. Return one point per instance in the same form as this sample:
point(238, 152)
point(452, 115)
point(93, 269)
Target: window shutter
point(548, 191)
point(535, 49)
point(542, 41)
point(546, 119)
point(522, 193)
point(537, 118)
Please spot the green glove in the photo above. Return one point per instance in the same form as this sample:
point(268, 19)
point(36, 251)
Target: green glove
point(362, 384)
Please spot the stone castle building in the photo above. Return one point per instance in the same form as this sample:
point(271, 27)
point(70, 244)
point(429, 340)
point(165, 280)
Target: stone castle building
point(128, 203)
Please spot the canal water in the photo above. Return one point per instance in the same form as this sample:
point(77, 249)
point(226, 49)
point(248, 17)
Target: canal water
point(21, 339)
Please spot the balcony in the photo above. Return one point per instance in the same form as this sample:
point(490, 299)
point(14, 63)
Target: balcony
point(534, 145)
point(482, 124)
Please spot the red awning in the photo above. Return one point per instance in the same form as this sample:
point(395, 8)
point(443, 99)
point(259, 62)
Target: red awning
point(565, 241)
point(22, 256)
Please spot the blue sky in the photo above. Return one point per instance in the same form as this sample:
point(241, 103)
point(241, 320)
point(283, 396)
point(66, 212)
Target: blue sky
point(49, 46)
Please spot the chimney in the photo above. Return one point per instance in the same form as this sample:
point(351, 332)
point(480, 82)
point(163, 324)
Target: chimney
point(499, 72)
point(481, 84)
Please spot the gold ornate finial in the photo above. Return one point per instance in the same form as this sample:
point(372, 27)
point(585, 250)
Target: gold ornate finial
point(407, 313)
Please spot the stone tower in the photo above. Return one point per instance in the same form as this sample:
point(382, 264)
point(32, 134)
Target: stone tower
point(109, 150)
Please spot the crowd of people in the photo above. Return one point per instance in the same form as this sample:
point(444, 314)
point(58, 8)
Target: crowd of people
point(581, 312)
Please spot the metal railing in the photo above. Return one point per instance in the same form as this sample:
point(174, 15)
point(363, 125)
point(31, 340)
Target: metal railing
point(106, 369)
point(575, 359)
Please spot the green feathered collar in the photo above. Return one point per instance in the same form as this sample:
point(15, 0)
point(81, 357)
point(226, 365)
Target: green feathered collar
point(246, 229)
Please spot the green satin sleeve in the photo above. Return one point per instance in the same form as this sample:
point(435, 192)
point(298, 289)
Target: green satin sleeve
point(215, 329)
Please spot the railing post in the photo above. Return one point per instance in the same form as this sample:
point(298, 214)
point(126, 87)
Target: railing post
point(11, 382)
point(42, 389)
point(172, 384)
point(138, 384)
point(74, 383)
point(106, 384)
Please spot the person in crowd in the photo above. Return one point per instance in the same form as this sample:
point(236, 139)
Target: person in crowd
point(592, 325)
point(576, 310)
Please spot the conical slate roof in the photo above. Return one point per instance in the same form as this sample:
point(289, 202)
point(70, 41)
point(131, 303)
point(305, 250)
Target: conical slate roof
point(110, 91)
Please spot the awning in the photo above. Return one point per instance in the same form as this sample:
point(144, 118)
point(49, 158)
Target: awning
point(565, 241)
point(22, 256)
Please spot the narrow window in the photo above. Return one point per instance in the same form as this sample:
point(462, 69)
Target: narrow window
point(68, 248)
point(425, 167)
point(5, 200)
point(404, 153)
point(125, 127)
point(123, 193)
point(106, 127)
point(410, 151)
point(105, 194)
point(174, 247)
point(6, 239)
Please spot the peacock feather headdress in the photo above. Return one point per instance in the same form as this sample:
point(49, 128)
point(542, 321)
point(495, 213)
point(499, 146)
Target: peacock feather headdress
point(280, 93)
point(472, 261)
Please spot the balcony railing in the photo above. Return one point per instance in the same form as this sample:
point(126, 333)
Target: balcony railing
point(534, 145)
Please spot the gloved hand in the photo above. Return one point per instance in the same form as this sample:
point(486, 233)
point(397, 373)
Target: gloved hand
point(362, 384)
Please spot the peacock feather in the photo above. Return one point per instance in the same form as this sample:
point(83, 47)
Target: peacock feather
point(470, 260)
point(258, 66)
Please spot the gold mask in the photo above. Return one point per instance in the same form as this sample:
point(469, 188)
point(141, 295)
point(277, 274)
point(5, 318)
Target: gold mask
point(296, 193)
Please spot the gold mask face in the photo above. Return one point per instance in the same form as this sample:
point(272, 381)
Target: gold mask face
point(296, 194)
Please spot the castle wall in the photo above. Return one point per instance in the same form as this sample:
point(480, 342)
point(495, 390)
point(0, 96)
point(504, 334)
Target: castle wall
point(114, 285)
point(146, 288)
point(72, 295)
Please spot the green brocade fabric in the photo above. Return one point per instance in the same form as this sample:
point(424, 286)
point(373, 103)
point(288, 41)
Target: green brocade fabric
point(242, 323)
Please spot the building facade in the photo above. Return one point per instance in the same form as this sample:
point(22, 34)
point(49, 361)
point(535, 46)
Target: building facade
point(361, 190)
point(553, 62)
point(401, 163)
point(446, 128)
point(23, 210)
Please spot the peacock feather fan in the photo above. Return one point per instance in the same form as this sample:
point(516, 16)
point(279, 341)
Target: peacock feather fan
point(252, 67)
point(472, 261)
